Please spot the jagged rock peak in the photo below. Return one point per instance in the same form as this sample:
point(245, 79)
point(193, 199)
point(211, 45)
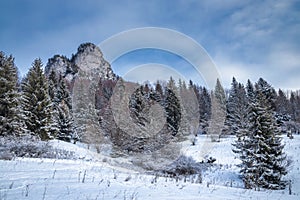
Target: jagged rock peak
point(88, 58)
point(88, 48)
point(61, 64)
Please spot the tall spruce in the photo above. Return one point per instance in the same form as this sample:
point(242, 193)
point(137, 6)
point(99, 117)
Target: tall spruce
point(243, 143)
point(62, 109)
point(219, 93)
point(172, 107)
point(218, 112)
point(52, 91)
point(36, 103)
point(204, 100)
point(236, 116)
point(261, 151)
point(9, 97)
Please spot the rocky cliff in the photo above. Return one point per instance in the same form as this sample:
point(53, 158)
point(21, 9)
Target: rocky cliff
point(88, 58)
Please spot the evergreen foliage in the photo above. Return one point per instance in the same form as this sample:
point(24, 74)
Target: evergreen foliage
point(10, 122)
point(173, 111)
point(218, 112)
point(62, 107)
point(260, 149)
point(36, 103)
point(236, 116)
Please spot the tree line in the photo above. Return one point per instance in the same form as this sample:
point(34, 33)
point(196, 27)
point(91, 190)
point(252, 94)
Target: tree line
point(256, 114)
point(37, 105)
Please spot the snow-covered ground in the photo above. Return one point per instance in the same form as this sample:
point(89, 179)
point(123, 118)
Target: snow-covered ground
point(94, 176)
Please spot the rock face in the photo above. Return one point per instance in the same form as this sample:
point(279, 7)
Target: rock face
point(62, 66)
point(88, 58)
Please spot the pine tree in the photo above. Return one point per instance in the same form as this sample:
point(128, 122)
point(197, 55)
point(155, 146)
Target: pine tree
point(268, 150)
point(268, 91)
point(261, 151)
point(52, 91)
point(159, 92)
point(282, 104)
point(36, 103)
point(204, 100)
point(10, 123)
point(218, 112)
point(244, 138)
point(236, 108)
point(64, 107)
point(189, 109)
point(250, 92)
point(172, 107)
point(139, 105)
point(219, 93)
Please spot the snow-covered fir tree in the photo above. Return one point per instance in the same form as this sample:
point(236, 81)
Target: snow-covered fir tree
point(236, 116)
point(172, 107)
point(36, 102)
point(219, 93)
point(52, 91)
point(204, 101)
point(218, 112)
point(261, 150)
point(10, 122)
point(62, 108)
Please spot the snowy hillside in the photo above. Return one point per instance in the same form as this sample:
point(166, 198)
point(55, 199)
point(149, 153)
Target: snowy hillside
point(94, 176)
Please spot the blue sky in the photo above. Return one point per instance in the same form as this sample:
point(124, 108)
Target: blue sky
point(245, 39)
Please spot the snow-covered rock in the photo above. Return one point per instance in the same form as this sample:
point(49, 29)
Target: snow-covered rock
point(61, 65)
point(88, 58)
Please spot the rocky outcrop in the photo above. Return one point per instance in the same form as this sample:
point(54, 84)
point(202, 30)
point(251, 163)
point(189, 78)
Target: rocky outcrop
point(62, 66)
point(88, 58)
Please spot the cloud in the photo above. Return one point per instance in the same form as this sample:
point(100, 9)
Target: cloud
point(255, 38)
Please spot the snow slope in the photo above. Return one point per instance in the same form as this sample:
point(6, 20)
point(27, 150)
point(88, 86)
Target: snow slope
point(93, 176)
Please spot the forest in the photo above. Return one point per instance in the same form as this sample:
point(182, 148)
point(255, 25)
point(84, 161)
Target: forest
point(141, 118)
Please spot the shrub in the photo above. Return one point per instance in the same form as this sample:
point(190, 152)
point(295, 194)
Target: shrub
point(183, 166)
point(30, 147)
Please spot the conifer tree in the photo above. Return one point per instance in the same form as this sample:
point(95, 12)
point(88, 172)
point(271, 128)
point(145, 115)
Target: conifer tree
point(52, 91)
point(36, 103)
point(63, 104)
point(159, 92)
point(269, 158)
point(218, 112)
point(250, 93)
point(204, 100)
point(10, 123)
point(172, 107)
point(261, 151)
point(236, 108)
point(219, 93)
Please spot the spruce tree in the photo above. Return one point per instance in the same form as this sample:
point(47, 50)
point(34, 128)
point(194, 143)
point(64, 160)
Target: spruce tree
point(231, 118)
point(218, 112)
point(52, 91)
point(261, 151)
point(219, 93)
point(204, 100)
point(269, 157)
point(244, 138)
point(250, 93)
point(10, 123)
point(236, 108)
point(172, 107)
point(62, 105)
point(36, 103)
